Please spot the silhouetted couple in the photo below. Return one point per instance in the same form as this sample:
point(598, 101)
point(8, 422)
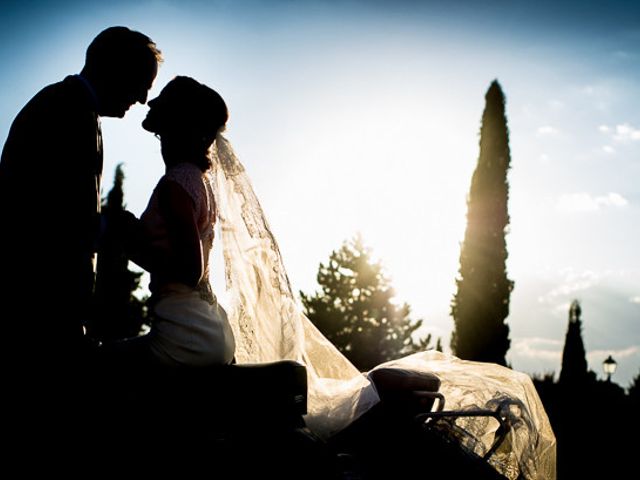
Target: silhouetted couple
point(50, 227)
point(50, 176)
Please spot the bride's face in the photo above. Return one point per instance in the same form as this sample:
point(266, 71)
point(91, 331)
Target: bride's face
point(167, 110)
point(154, 120)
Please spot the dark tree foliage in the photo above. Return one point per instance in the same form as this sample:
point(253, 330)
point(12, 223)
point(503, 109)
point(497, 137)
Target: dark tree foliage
point(118, 312)
point(355, 311)
point(481, 304)
point(591, 419)
point(634, 392)
point(574, 357)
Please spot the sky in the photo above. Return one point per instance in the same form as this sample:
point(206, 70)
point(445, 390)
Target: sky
point(363, 116)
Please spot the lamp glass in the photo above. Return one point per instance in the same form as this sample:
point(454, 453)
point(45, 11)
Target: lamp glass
point(609, 365)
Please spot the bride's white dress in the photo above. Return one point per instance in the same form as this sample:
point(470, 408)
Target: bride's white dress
point(269, 325)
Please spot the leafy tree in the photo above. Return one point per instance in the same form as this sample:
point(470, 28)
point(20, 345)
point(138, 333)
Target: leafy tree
point(574, 358)
point(481, 304)
point(355, 311)
point(118, 312)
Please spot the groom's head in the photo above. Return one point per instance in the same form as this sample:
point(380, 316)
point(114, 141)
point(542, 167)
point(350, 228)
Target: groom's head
point(121, 65)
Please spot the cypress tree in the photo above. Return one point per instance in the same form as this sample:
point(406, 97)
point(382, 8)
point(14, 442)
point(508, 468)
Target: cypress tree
point(481, 304)
point(574, 358)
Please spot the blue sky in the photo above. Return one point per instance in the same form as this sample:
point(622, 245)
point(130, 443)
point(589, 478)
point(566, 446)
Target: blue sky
point(364, 116)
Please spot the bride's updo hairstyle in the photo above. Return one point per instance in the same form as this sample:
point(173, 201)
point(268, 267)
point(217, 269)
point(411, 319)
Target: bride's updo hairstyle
point(186, 116)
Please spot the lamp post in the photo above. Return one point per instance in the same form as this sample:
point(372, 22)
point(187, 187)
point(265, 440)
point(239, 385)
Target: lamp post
point(609, 365)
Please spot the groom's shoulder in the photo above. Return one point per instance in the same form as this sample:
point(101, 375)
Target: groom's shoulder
point(67, 92)
point(60, 100)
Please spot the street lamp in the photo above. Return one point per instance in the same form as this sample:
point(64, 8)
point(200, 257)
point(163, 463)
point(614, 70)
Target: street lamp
point(609, 366)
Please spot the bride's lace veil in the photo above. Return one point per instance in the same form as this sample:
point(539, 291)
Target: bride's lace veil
point(267, 321)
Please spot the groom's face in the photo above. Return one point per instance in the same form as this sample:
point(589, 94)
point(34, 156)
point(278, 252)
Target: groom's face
point(127, 91)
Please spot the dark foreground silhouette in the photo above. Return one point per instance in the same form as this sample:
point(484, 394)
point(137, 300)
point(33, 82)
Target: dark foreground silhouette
point(248, 420)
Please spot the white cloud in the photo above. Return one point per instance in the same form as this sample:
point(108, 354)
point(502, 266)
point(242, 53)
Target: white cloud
point(547, 130)
point(627, 358)
point(623, 132)
point(544, 158)
point(538, 348)
point(571, 287)
point(598, 356)
point(570, 282)
point(584, 202)
point(608, 149)
point(612, 199)
point(567, 281)
point(626, 132)
point(628, 352)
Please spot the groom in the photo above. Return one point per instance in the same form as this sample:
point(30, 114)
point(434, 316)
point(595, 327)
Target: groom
point(49, 207)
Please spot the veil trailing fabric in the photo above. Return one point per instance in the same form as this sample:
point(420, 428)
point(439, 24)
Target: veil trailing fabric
point(269, 325)
point(267, 321)
point(529, 450)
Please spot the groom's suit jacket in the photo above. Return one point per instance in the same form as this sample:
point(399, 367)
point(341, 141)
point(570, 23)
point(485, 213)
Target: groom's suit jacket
point(49, 216)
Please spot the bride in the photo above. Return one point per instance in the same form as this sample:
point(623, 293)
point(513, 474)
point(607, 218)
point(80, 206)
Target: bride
point(205, 185)
point(174, 236)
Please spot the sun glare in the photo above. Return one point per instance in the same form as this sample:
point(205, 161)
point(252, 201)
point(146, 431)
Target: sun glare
point(403, 185)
